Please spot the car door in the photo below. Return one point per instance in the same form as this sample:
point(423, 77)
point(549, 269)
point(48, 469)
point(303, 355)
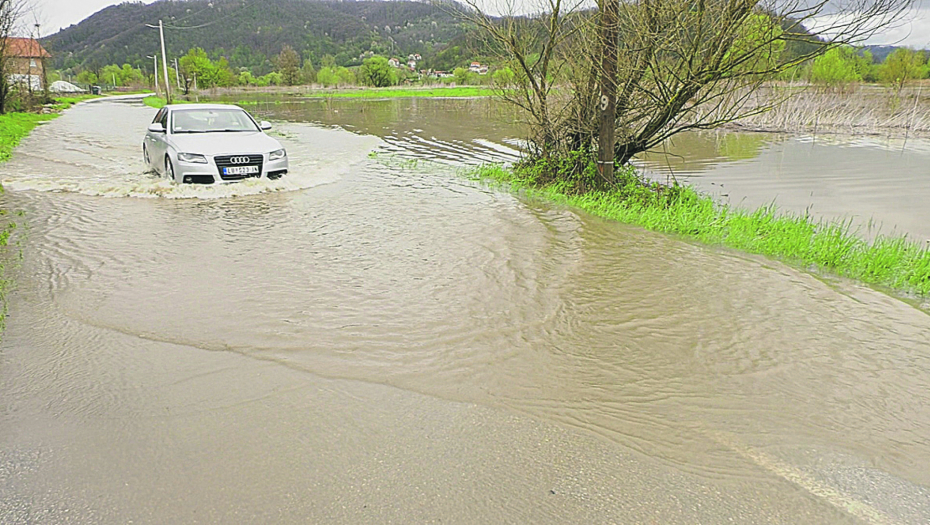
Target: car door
point(157, 142)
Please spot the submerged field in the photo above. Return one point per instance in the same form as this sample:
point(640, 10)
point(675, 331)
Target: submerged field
point(437, 92)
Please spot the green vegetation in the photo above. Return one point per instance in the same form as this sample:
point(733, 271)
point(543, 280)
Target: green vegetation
point(447, 92)
point(841, 65)
point(901, 66)
point(157, 102)
point(846, 65)
point(376, 72)
point(894, 262)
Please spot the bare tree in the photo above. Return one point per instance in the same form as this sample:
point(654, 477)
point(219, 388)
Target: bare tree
point(531, 47)
point(666, 66)
point(11, 15)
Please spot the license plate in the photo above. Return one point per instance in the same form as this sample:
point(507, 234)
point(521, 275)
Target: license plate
point(240, 170)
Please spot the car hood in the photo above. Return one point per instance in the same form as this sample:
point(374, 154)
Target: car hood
point(224, 143)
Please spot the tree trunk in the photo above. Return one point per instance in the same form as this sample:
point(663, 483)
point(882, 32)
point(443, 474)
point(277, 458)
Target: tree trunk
point(610, 14)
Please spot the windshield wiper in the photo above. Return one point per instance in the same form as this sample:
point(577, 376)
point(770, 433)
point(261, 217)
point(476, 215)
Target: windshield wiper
point(192, 131)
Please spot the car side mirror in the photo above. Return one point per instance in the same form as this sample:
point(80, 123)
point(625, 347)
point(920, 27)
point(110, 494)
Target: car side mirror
point(265, 125)
point(156, 127)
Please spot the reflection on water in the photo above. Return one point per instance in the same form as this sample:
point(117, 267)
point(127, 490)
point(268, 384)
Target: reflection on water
point(164, 357)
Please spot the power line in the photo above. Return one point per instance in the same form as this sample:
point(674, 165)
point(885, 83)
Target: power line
point(208, 24)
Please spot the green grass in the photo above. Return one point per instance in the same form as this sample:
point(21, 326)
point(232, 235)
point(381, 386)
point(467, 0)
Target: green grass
point(159, 102)
point(457, 92)
point(897, 263)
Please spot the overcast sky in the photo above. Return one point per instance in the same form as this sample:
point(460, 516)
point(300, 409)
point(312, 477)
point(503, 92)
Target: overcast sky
point(56, 14)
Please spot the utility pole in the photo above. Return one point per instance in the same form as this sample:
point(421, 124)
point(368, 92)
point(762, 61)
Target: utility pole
point(164, 62)
point(177, 74)
point(155, 71)
point(164, 59)
point(610, 19)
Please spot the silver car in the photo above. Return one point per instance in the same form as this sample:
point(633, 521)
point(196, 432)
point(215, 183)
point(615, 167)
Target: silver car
point(208, 143)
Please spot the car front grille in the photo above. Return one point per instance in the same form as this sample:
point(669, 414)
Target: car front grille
point(225, 161)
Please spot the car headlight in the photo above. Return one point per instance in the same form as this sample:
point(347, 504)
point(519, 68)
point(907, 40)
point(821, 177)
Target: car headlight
point(192, 158)
point(277, 154)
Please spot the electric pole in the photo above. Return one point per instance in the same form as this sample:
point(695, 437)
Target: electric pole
point(164, 62)
point(177, 73)
point(164, 59)
point(155, 71)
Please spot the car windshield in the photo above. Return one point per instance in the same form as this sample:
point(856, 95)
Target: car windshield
point(211, 121)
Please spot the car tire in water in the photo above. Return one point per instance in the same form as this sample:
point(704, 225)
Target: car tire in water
point(145, 158)
point(169, 169)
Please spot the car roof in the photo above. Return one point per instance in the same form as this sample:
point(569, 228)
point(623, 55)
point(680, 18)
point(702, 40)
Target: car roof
point(202, 106)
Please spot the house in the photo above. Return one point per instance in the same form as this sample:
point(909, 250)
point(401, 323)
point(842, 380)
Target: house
point(393, 62)
point(26, 62)
point(476, 67)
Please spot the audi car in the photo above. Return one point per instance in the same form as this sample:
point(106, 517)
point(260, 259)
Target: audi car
point(211, 143)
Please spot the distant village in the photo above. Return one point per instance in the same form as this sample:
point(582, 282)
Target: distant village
point(411, 65)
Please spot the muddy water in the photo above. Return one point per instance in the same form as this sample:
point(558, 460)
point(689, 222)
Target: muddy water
point(376, 341)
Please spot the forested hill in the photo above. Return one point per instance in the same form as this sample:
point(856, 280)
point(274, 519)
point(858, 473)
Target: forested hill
point(250, 33)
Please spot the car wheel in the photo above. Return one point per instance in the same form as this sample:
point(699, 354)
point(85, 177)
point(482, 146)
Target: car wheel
point(169, 168)
point(145, 156)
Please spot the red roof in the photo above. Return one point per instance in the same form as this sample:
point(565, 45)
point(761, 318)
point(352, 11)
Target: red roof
point(25, 48)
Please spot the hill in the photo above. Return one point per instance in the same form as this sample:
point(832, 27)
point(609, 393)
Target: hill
point(879, 53)
point(250, 33)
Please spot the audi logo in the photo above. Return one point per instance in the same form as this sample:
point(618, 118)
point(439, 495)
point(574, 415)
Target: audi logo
point(239, 160)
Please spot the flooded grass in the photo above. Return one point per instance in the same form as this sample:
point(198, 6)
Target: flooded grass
point(831, 246)
point(14, 127)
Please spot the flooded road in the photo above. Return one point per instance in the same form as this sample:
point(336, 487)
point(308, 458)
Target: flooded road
point(377, 340)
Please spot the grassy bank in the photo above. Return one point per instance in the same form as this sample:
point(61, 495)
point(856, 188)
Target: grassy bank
point(15, 126)
point(893, 262)
point(439, 92)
